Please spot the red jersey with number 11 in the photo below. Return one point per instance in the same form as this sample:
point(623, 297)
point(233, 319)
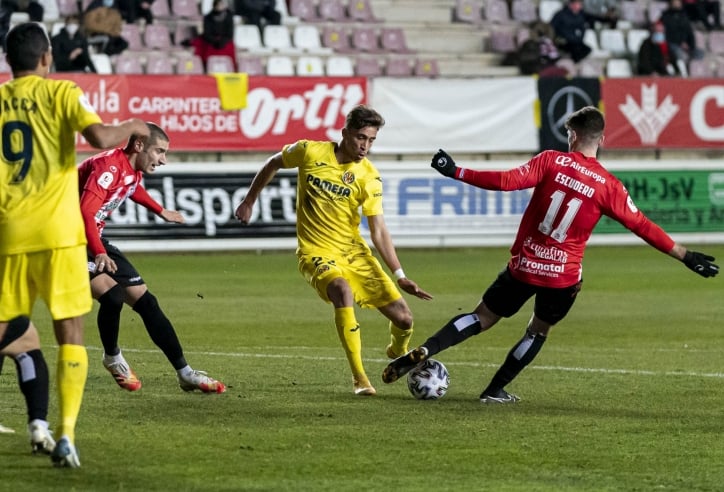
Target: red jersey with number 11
point(571, 193)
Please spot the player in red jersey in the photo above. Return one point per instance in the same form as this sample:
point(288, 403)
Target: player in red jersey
point(106, 180)
point(571, 191)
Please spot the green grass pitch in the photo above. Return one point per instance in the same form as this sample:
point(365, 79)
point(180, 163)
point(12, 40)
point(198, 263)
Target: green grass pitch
point(627, 394)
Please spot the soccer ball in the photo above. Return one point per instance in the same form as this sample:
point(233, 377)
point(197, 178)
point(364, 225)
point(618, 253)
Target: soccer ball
point(429, 380)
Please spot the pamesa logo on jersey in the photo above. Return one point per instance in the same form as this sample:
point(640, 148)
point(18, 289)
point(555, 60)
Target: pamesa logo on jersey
point(330, 187)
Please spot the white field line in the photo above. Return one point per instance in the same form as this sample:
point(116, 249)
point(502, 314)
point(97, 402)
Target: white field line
point(597, 370)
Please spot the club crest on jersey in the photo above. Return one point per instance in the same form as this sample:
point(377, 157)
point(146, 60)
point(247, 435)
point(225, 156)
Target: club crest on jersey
point(348, 177)
point(105, 180)
point(322, 268)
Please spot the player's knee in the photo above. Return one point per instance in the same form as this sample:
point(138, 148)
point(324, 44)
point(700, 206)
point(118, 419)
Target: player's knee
point(113, 298)
point(17, 329)
point(147, 303)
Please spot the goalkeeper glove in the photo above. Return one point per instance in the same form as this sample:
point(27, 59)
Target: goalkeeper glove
point(700, 263)
point(444, 164)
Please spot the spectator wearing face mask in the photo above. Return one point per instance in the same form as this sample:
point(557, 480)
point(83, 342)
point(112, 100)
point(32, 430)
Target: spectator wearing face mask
point(655, 56)
point(70, 48)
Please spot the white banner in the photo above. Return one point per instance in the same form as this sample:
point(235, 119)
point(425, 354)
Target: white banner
point(458, 115)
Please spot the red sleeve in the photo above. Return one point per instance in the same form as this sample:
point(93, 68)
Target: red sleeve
point(142, 197)
point(90, 203)
point(526, 176)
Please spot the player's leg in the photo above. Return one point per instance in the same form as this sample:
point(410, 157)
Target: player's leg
point(63, 275)
point(502, 299)
point(110, 297)
point(551, 306)
point(162, 333)
point(19, 340)
point(327, 276)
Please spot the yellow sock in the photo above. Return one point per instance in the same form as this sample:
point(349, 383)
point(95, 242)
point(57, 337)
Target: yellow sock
point(349, 334)
point(400, 339)
point(71, 376)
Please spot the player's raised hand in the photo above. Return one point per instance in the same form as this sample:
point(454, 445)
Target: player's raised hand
point(444, 164)
point(411, 287)
point(701, 264)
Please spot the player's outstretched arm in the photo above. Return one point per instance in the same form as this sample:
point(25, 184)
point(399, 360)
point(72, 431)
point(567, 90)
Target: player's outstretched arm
point(172, 216)
point(105, 136)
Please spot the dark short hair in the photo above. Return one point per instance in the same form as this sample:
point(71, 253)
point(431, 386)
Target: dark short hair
point(587, 122)
point(363, 116)
point(25, 44)
point(156, 133)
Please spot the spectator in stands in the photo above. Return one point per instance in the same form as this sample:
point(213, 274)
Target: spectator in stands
point(701, 10)
point(132, 10)
point(601, 11)
point(7, 7)
point(655, 56)
point(569, 25)
point(103, 21)
point(218, 35)
point(70, 48)
point(258, 12)
point(679, 33)
point(538, 54)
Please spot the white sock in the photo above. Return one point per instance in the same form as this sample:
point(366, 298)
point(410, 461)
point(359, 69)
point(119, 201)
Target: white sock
point(185, 372)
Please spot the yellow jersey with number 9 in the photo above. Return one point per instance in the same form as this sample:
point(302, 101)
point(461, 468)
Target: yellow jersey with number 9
point(39, 198)
point(330, 196)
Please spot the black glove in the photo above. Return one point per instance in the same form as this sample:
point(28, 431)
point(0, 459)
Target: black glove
point(444, 164)
point(700, 263)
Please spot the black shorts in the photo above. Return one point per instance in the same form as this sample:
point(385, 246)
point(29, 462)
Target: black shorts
point(126, 275)
point(506, 296)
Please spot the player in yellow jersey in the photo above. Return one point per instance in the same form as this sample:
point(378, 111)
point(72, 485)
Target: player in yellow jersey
point(42, 238)
point(335, 181)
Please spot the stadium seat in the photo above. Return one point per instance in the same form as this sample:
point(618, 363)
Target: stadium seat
point(127, 63)
point(339, 66)
point(161, 10)
point(310, 66)
point(590, 67)
point(367, 67)
point(568, 65)
point(496, 12)
point(4, 67)
point(336, 38)
point(67, 7)
point(548, 8)
point(525, 11)
point(184, 31)
point(361, 11)
point(716, 43)
point(634, 38)
point(102, 63)
point(159, 64)
point(279, 65)
point(332, 11)
point(307, 38)
point(618, 68)
point(157, 37)
point(251, 65)
point(51, 11)
point(590, 37)
point(56, 28)
point(701, 69)
point(305, 10)
point(189, 65)
point(278, 39)
point(220, 64)
point(654, 10)
point(286, 18)
point(502, 40)
point(132, 34)
point(426, 68)
point(613, 41)
point(392, 39)
point(248, 38)
point(634, 12)
point(207, 6)
point(468, 11)
point(364, 39)
point(186, 9)
point(398, 67)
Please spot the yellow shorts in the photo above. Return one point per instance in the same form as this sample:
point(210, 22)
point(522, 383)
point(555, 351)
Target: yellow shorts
point(58, 276)
point(371, 286)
